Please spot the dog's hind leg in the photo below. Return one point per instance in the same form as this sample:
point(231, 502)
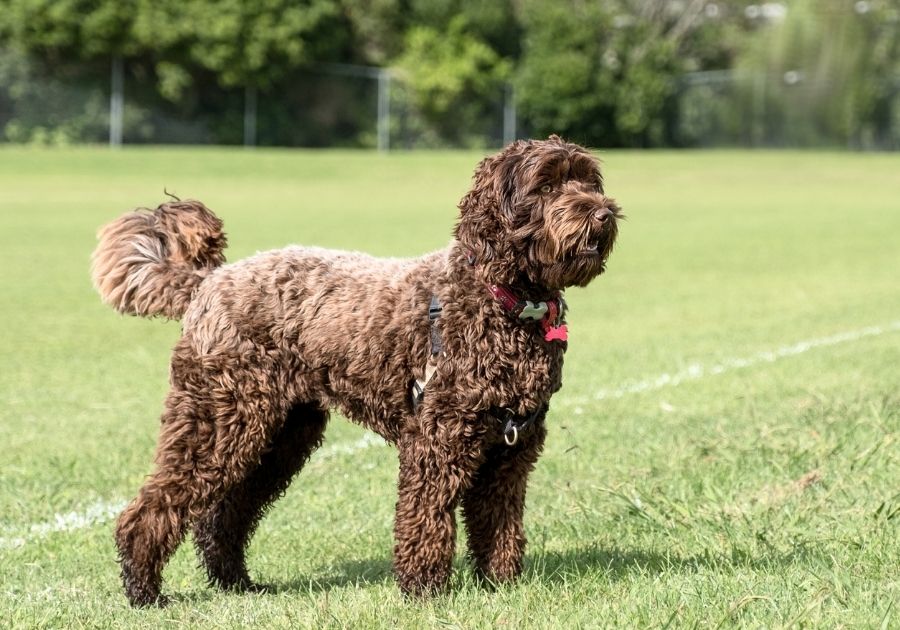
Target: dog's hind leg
point(493, 507)
point(153, 525)
point(222, 534)
point(215, 430)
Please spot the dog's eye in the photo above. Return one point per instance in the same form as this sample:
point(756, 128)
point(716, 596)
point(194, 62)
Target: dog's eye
point(546, 188)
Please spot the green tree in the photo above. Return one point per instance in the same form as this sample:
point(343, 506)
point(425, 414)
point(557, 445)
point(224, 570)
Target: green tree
point(189, 52)
point(607, 73)
point(241, 43)
point(451, 76)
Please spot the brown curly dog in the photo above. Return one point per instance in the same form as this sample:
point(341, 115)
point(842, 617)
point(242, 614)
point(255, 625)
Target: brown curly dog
point(453, 357)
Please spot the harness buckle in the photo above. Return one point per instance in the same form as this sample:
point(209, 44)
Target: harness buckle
point(514, 425)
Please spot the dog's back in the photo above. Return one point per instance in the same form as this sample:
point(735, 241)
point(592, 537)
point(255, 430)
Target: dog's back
point(169, 262)
point(327, 304)
point(324, 319)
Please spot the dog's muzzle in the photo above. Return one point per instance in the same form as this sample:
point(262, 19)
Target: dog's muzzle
point(603, 233)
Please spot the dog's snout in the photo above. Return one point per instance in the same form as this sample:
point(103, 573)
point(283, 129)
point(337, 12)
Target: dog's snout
point(603, 215)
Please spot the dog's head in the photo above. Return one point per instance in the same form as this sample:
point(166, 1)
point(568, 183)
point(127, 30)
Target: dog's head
point(537, 212)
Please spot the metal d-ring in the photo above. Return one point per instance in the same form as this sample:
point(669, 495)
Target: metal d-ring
point(515, 436)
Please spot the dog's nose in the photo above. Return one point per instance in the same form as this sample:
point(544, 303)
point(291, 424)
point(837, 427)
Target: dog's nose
point(603, 215)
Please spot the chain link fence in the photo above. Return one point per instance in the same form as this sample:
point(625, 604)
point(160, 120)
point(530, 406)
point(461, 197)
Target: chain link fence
point(727, 108)
point(335, 105)
point(328, 105)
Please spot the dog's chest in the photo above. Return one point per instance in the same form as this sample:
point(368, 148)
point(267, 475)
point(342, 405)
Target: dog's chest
point(535, 372)
point(510, 365)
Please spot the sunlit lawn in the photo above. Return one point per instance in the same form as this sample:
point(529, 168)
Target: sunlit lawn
point(764, 495)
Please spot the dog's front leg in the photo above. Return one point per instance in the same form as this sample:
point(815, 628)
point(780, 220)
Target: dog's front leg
point(436, 467)
point(493, 507)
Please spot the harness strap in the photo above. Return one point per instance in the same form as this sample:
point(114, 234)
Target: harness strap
point(437, 348)
point(434, 312)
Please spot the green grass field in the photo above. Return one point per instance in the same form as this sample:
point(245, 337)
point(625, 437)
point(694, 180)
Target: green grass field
point(724, 450)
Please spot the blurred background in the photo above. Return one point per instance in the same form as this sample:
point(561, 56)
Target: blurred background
point(392, 74)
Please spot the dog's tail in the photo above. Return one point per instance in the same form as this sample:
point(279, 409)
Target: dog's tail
point(148, 262)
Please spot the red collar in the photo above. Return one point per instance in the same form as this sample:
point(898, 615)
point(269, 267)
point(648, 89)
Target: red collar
point(549, 313)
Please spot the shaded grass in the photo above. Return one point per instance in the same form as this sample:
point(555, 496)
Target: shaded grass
point(765, 496)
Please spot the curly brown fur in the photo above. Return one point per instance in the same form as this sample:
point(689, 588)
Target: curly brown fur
point(149, 262)
point(273, 341)
point(222, 535)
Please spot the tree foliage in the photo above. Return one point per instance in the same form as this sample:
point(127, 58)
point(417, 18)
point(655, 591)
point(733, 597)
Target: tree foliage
point(451, 75)
point(606, 73)
point(241, 43)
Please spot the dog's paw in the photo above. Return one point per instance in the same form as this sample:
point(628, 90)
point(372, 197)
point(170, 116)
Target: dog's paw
point(422, 585)
point(255, 587)
point(240, 585)
point(149, 601)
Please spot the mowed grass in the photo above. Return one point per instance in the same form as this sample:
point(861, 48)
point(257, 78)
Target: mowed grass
point(762, 496)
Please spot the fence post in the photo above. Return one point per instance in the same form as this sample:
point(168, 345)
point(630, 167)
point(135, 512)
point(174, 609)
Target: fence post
point(384, 110)
point(759, 128)
point(250, 97)
point(116, 101)
point(509, 114)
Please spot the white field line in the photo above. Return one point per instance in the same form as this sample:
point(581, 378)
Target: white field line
point(695, 371)
point(96, 513)
point(103, 511)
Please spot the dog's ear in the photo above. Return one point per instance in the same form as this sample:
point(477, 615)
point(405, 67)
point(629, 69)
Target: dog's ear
point(488, 209)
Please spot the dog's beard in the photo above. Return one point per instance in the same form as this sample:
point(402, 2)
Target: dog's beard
point(577, 268)
point(577, 271)
point(570, 248)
